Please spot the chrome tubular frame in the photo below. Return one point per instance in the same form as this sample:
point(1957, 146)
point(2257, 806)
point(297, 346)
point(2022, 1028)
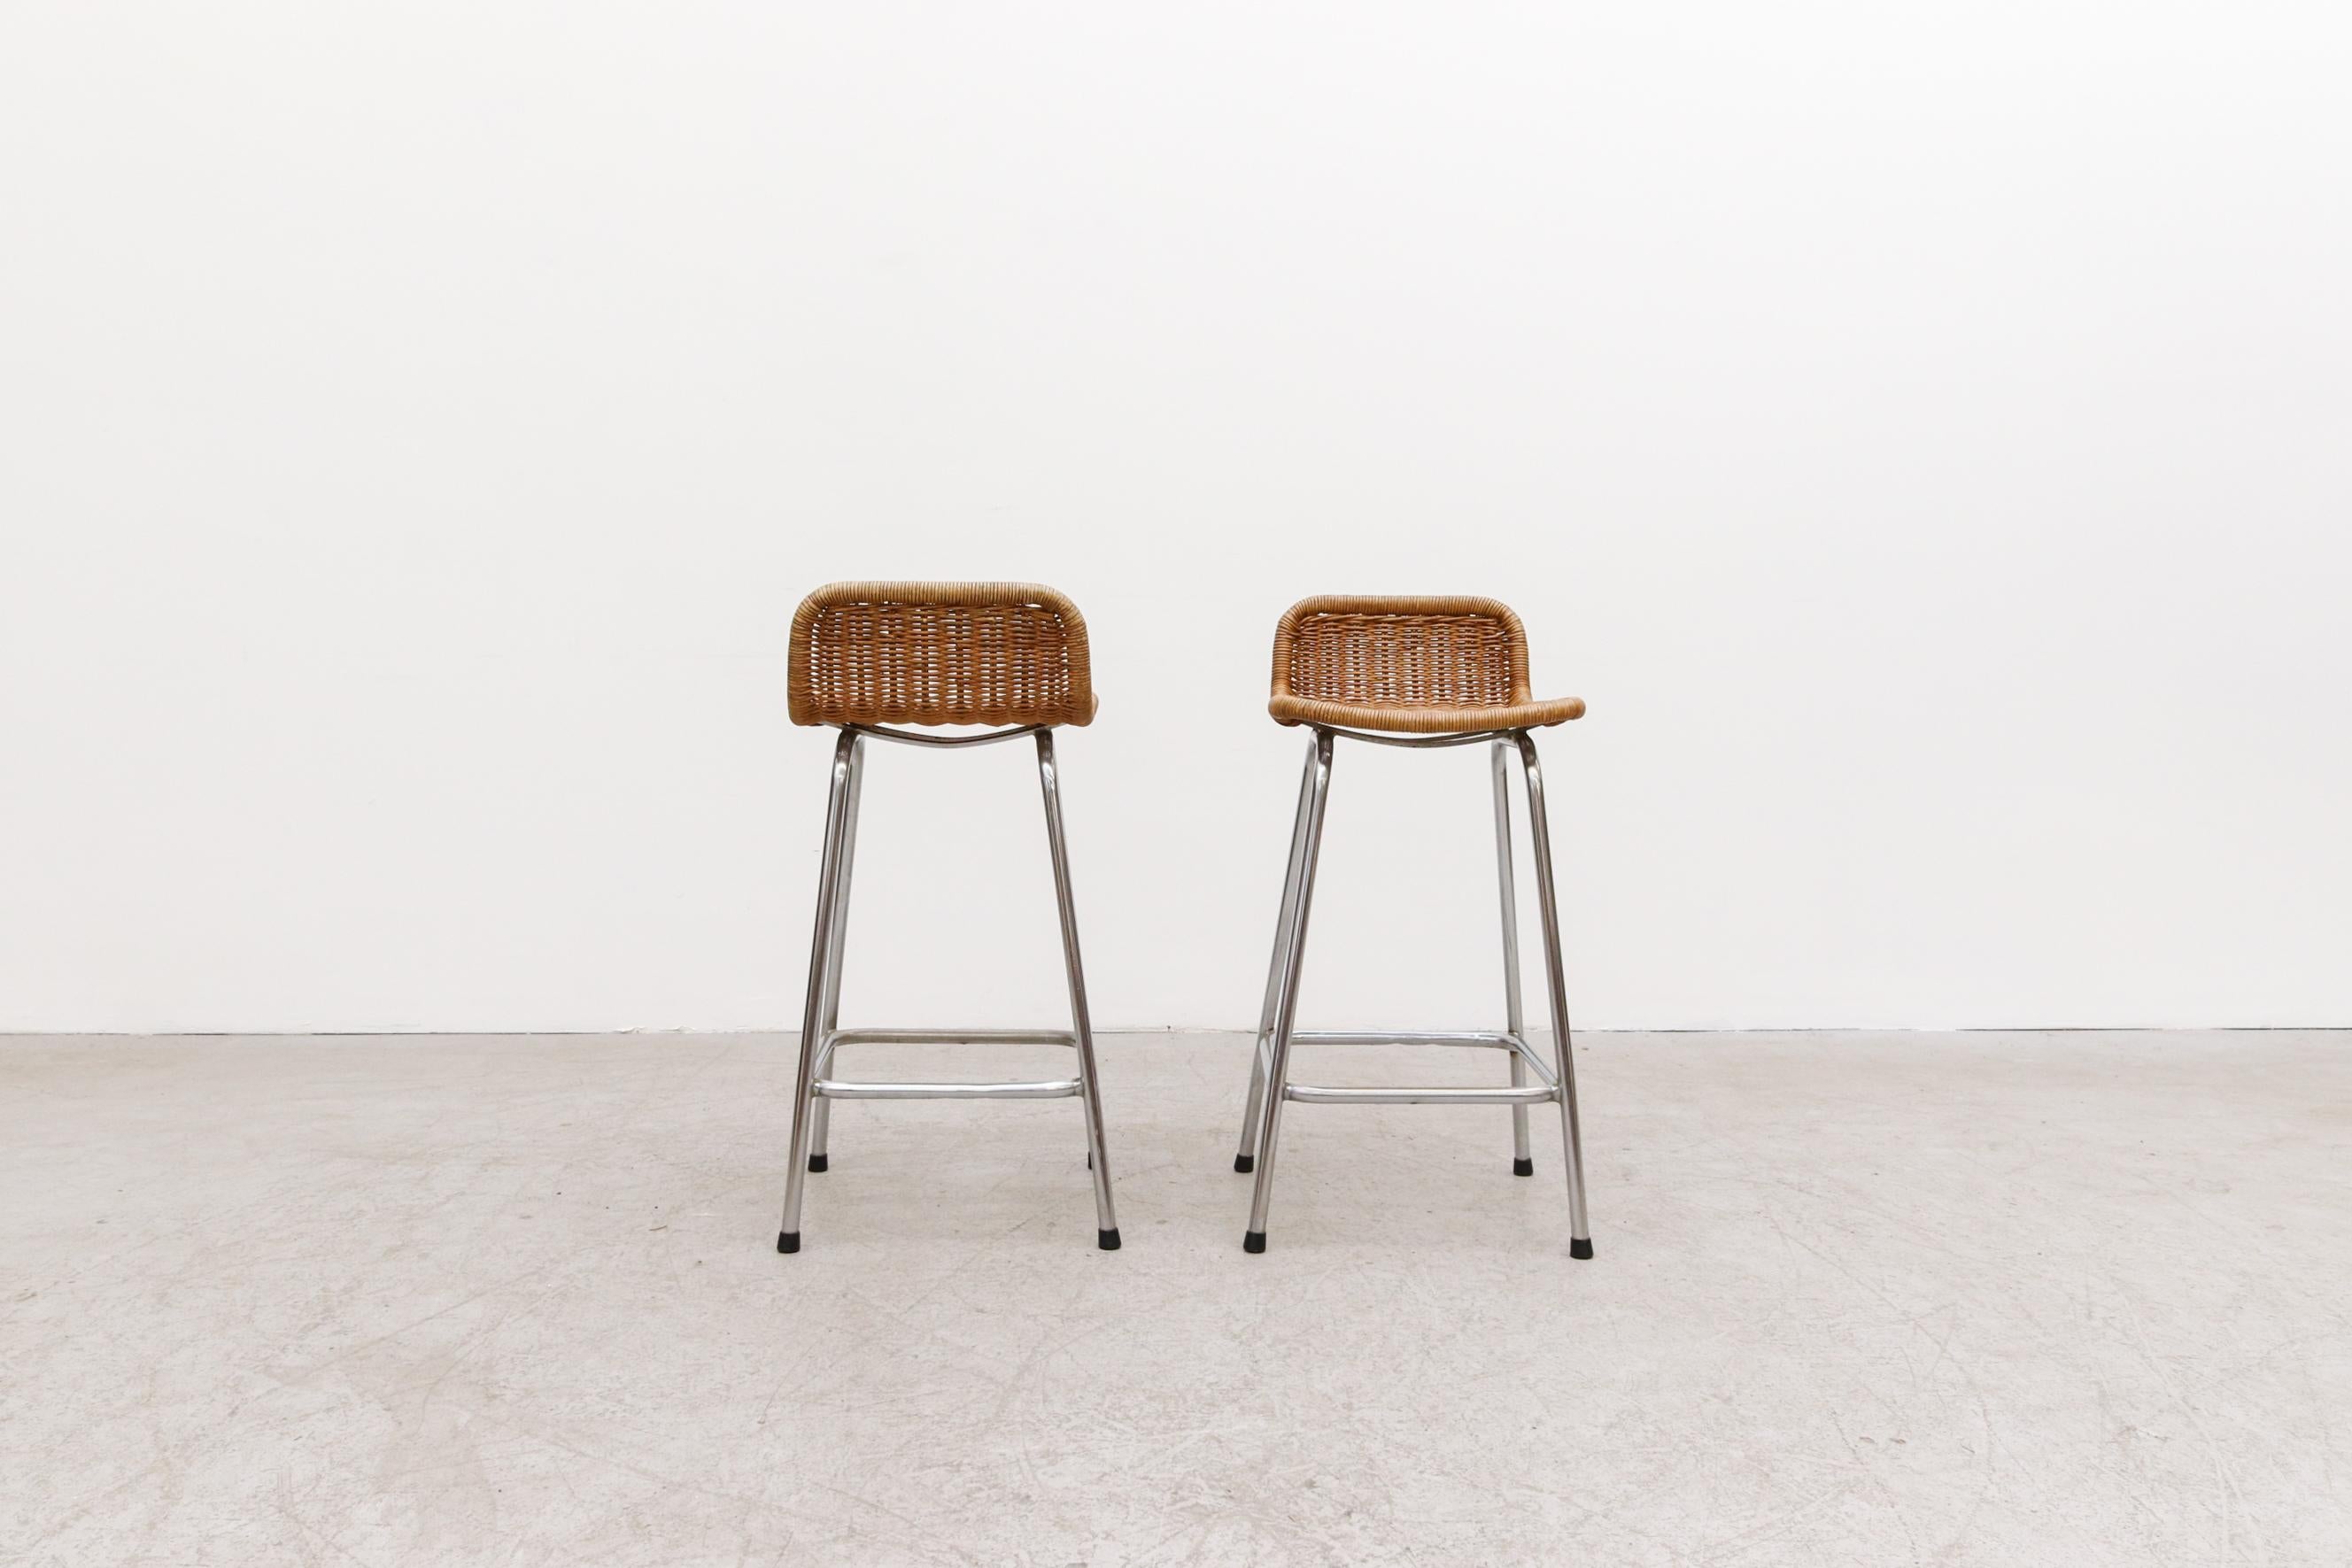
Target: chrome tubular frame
point(1553, 1081)
point(815, 1087)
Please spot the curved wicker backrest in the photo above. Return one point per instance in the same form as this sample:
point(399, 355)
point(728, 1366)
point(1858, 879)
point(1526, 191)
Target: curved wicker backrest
point(1438, 652)
point(938, 652)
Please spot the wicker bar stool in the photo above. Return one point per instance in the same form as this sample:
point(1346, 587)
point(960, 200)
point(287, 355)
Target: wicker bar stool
point(869, 656)
point(1411, 672)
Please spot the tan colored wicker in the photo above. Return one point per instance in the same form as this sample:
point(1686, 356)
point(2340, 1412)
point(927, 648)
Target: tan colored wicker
point(1411, 665)
point(938, 652)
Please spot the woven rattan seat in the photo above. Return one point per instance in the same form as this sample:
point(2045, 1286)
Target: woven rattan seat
point(938, 654)
point(1414, 666)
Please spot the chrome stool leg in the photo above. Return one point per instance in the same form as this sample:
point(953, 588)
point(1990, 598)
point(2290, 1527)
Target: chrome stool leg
point(1246, 1159)
point(1513, 1018)
point(836, 812)
point(1579, 1229)
point(1285, 1017)
point(835, 943)
point(1081, 1023)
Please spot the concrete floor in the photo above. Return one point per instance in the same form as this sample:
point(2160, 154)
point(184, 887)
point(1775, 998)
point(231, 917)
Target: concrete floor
point(2069, 1299)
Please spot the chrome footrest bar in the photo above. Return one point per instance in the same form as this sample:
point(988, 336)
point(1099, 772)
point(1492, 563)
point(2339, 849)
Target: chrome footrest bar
point(951, 1036)
point(1496, 1040)
point(1404, 1037)
point(1525, 1055)
point(1047, 1089)
point(841, 1036)
point(1316, 1094)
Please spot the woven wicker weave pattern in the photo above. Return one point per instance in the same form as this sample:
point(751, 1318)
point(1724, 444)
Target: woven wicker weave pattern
point(938, 652)
point(1418, 666)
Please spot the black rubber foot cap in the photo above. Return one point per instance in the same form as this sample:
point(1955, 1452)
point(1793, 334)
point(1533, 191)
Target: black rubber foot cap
point(1523, 1168)
point(1108, 1239)
point(1245, 1163)
point(1254, 1242)
point(1580, 1248)
point(1090, 1159)
point(788, 1240)
point(816, 1161)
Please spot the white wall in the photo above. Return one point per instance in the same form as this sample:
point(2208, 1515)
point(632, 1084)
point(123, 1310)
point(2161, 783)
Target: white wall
point(1923, 434)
